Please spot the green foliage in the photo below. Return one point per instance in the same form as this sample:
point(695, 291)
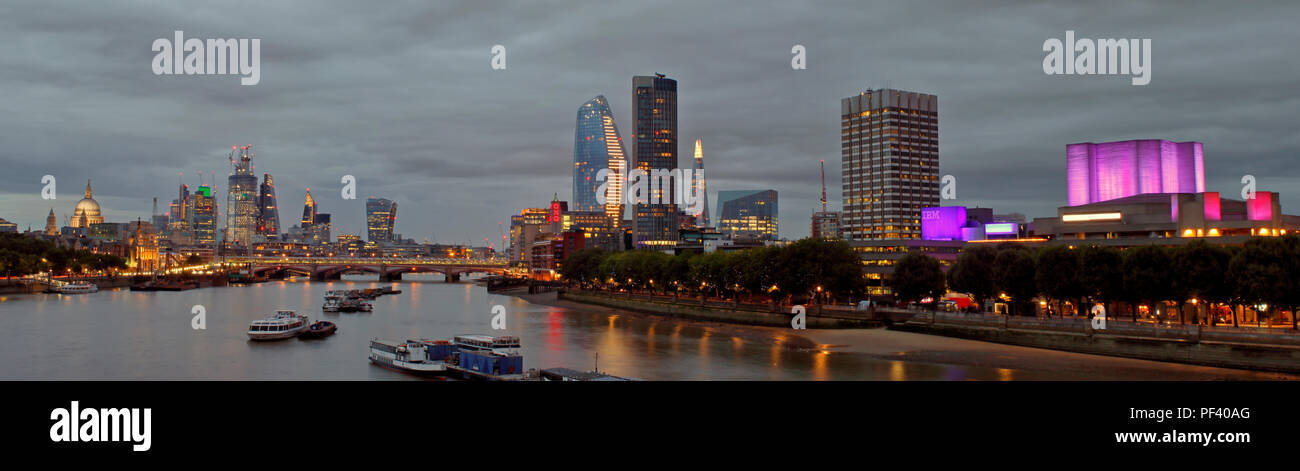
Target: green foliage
point(796, 269)
point(918, 276)
point(23, 255)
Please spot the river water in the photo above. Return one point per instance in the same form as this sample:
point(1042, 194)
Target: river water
point(124, 335)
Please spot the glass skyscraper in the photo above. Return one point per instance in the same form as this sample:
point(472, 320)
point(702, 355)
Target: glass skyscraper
point(597, 144)
point(268, 219)
point(748, 214)
point(701, 186)
point(889, 151)
point(241, 200)
point(381, 217)
point(655, 99)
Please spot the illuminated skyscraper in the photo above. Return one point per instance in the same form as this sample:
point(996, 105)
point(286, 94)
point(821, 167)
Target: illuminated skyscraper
point(748, 213)
point(308, 210)
point(655, 98)
point(596, 145)
point(203, 215)
point(889, 150)
point(701, 186)
point(268, 218)
point(381, 217)
point(241, 199)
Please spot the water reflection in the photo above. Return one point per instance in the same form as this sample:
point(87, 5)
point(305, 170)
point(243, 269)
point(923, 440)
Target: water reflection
point(118, 334)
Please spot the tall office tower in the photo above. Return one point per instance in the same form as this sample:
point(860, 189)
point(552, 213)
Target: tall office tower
point(320, 229)
point(268, 217)
point(381, 217)
point(748, 214)
point(889, 142)
point(203, 215)
point(241, 199)
point(308, 210)
point(598, 145)
point(655, 98)
point(701, 186)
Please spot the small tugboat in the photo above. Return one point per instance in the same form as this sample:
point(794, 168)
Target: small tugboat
point(79, 288)
point(390, 290)
point(418, 357)
point(284, 324)
point(319, 329)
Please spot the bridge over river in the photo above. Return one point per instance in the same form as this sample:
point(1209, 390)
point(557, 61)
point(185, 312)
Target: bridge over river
point(388, 268)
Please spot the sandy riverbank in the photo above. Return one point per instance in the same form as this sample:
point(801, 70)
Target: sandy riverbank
point(922, 348)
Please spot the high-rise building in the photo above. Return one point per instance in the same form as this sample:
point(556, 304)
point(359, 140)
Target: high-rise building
point(598, 145)
point(825, 225)
point(268, 218)
point(321, 228)
point(308, 210)
point(748, 214)
point(889, 142)
point(655, 121)
point(241, 199)
point(203, 215)
point(381, 217)
point(701, 186)
point(1112, 170)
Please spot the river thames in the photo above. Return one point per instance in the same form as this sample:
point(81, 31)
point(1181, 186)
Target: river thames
point(123, 335)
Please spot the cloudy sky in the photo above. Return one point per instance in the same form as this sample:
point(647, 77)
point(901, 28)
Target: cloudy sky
point(402, 96)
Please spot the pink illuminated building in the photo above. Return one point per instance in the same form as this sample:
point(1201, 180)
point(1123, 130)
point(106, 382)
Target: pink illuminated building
point(1112, 170)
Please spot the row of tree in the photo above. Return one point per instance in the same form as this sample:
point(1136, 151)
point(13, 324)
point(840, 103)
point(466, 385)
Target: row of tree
point(802, 270)
point(22, 255)
point(1263, 271)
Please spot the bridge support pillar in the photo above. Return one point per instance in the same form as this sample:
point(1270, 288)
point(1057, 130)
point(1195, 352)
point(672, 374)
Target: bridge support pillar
point(453, 277)
point(390, 277)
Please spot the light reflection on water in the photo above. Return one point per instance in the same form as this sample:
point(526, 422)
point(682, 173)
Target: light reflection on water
point(118, 334)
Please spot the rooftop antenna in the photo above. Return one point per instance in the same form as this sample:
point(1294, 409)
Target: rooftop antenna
point(823, 166)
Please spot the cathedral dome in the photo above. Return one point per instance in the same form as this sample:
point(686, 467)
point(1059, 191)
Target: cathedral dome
point(87, 208)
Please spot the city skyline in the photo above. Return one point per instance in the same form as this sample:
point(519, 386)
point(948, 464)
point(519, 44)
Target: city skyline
point(1004, 123)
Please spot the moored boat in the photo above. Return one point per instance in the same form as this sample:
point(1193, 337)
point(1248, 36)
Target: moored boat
point(79, 288)
point(418, 357)
point(333, 301)
point(319, 329)
point(284, 324)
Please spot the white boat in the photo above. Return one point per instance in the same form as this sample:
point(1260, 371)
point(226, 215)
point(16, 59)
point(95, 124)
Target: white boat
point(333, 300)
point(284, 324)
point(413, 356)
point(79, 288)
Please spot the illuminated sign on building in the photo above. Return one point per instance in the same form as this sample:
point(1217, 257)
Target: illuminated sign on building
point(1001, 228)
point(1091, 217)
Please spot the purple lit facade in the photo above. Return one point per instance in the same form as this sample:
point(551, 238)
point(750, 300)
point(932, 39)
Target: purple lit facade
point(1111, 170)
point(943, 223)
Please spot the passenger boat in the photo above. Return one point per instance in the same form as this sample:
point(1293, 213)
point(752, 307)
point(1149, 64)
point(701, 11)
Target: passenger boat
point(320, 329)
point(488, 357)
point(284, 324)
point(418, 357)
point(79, 288)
